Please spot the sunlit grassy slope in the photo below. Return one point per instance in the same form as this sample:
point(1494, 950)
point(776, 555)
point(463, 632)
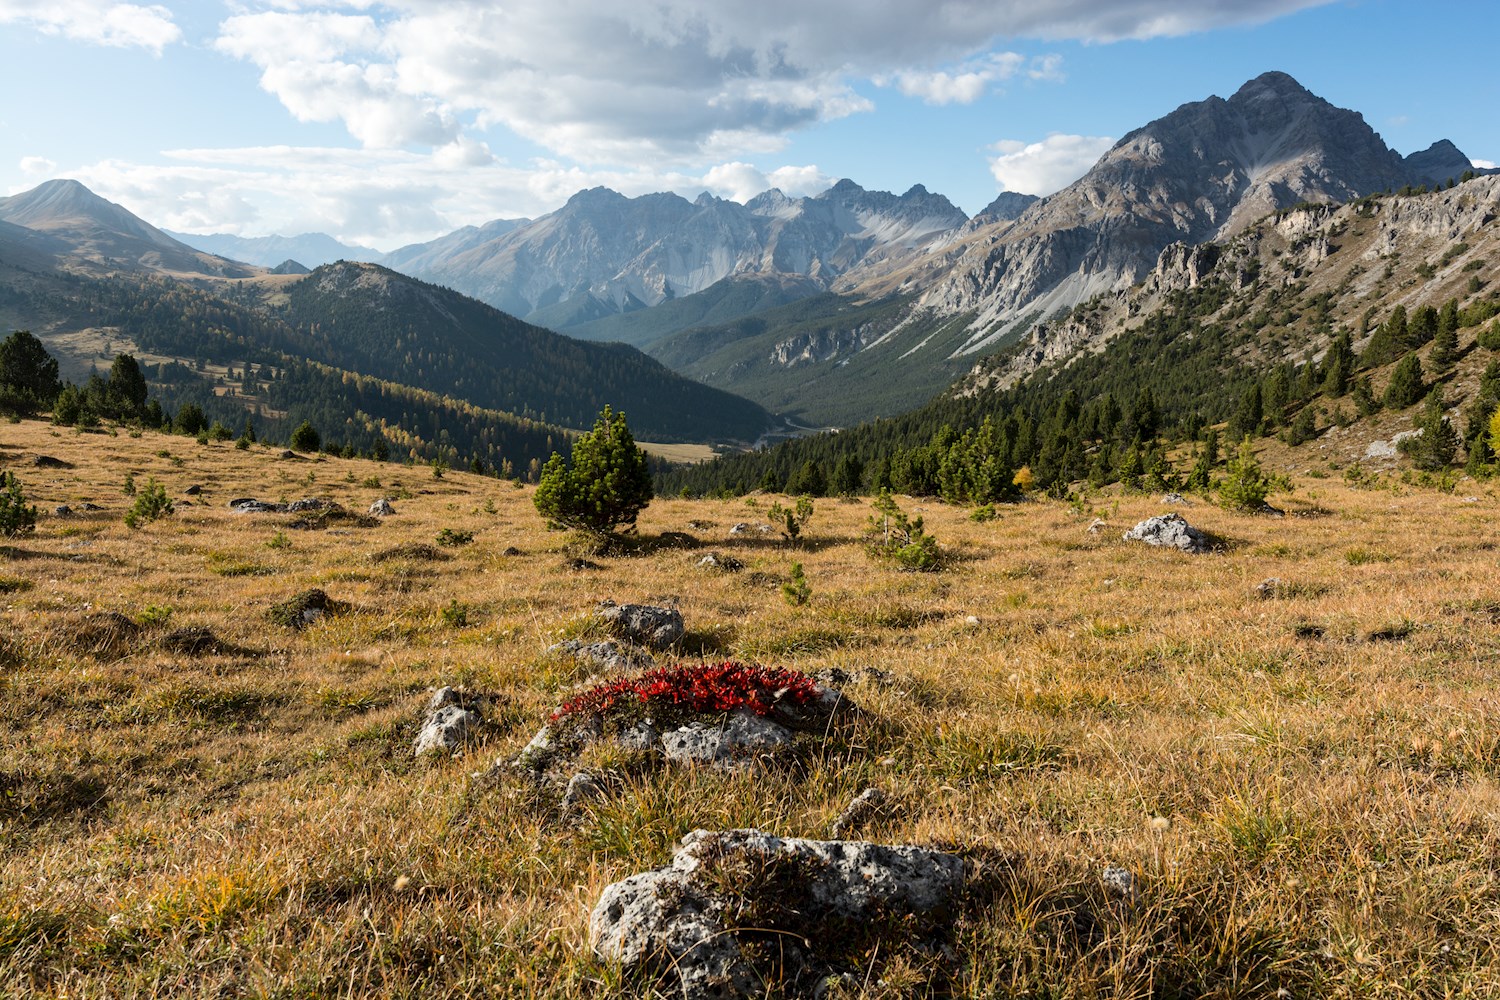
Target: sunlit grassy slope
point(1304, 785)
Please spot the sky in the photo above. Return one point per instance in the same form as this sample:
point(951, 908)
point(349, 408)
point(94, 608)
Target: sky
point(388, 122)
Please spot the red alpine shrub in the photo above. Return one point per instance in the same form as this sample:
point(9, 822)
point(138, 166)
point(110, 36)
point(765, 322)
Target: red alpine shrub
point(698, 687)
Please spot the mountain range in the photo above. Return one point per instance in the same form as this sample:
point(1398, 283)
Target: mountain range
point(413, 362)
point(829, 309)
point(854, 304)
point(309, 249)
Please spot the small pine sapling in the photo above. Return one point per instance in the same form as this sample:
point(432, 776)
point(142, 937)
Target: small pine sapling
point(16, 518)
point(796, 590)
point(791, 520)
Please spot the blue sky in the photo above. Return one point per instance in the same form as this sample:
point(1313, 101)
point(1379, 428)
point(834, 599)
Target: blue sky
point(391, 122)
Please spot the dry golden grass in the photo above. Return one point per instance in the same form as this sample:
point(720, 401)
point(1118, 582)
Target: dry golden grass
point(1305, 786)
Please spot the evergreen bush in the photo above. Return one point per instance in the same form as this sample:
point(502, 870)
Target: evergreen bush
point(16, 517)
point(604, 485)
point(150, 503)
point(1246, 486)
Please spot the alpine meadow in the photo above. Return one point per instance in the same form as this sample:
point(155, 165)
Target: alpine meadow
point(532, 515)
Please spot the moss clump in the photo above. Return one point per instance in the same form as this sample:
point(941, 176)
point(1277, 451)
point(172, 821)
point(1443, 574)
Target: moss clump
point(302, 610)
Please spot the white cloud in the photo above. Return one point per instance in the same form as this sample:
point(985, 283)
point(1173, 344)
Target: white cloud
point(1047, 166)
point(740, 181)
point(965, 86)
point(1482, 164)
point(99, 22)
point(37, 166)
point(693, 81)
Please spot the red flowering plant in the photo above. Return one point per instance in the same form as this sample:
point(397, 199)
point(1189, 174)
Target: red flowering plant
point(691, 689)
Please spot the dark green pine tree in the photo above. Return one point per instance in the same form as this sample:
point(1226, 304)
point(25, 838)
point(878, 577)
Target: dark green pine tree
point(808, 480)
point(1248, 416)
point(1406, 385)
point(1438, 443)
point(1338, 366)
point(1422, 328)
point(1444, 348)
point(606, 484)
point(1305, 427)
point(848, 476)
point(1388, 342)
point(28, 375)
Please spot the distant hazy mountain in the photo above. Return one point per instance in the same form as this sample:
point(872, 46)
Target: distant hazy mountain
point(417, 258)
point(603, 253)
point(71, 261)
point(90, 234)
point(309, 249)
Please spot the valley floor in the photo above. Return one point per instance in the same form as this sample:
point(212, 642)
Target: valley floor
point(1305, 782)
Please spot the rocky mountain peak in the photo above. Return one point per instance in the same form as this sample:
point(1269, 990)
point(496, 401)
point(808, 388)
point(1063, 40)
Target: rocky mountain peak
point(1274, 85)
point(1438, 163)
point(101, 236)
point(1203, 172)
point(66, 203)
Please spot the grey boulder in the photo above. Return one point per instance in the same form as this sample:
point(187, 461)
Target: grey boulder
point(449, 725)
point(1169, 531)
point(642, 624)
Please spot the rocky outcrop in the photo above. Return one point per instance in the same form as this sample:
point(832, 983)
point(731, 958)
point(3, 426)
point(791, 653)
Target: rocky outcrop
point(700, 918)
point(607, 655)
point(1170, 531)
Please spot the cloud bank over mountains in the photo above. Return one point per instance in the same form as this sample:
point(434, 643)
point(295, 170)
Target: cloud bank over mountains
point(672, 95)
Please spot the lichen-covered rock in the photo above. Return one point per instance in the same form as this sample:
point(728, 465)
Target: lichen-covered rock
point(582, 788)
point(1169, 531)
point(642, 624)
point(446, 731)
point(302, 609)
point(699, 918)
point(731, 742)
point(382, 508)
point(1119, 881)
point(749, 716)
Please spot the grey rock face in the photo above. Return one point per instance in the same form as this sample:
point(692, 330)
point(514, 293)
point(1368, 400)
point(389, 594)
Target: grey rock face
point(859, 811)
point(643, 624)
point(680, 918)
point(382, 508)
point(582, 788)
point(1268, 588)
point(1203, 172)
point(1119, 881)
point(1171, 531)
point(250, 505)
